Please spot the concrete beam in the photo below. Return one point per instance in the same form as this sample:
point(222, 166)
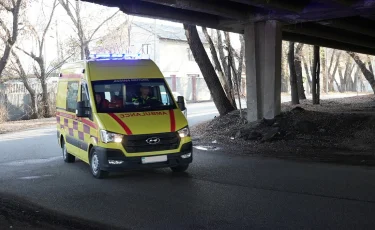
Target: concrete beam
point(157, 11)
point(295, 6)
point(287, 36)
point(353, 24)
point(338, 35)
point(215, 8)
point(263, 69)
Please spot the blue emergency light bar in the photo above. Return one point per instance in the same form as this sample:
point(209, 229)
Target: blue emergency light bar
point(114, 56)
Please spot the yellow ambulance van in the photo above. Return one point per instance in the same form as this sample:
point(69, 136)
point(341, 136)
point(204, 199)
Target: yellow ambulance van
point(117, 112)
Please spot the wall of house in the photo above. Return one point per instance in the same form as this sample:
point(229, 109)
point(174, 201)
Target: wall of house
point(140, 38)
point(176, 64)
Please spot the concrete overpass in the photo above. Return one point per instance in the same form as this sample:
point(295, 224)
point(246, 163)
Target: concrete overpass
point(340, 24)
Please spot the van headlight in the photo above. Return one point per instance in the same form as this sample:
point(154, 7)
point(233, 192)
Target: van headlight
point(184, 132)
point(108, 137)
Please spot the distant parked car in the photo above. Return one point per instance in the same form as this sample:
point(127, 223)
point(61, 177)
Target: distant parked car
point(175, 95)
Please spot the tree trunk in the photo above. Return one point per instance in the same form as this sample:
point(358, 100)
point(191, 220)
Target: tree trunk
point(229, 75)
point(12, 38)
point(220, 48)
point(293, 75)
point(308, 75)
point(43, 82)
point(316, 76)
point(298, 66)
point(333, 75)
point(324, 70)
point(240, 60)
point(284, 77)
point(330, 82)
point(23, 76)
point(366, 73)
point(217, 66)
point(369, 64)
point(221, 101)
point(5, 57)
point(45, 104)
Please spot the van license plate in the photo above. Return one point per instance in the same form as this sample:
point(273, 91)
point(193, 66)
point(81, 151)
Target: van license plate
point(155, 159)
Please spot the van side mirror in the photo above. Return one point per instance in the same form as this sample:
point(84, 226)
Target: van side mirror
point(181, 103)
point(83, 110)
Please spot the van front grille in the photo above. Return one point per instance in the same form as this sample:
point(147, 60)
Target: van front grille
point(138, 143)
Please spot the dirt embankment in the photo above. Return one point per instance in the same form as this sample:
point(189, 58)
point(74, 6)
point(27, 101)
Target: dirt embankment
point(338, 127)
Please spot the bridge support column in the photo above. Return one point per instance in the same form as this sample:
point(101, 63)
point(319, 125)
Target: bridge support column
point(263, 69)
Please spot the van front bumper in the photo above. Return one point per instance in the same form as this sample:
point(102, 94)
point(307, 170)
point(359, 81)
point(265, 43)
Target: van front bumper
point(131, 163)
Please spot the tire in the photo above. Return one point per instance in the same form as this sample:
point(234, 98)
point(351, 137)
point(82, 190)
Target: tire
point(180, 168)
point(67, 157)
point(95, 166)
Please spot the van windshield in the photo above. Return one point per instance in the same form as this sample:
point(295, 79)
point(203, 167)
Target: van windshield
point(132, 95)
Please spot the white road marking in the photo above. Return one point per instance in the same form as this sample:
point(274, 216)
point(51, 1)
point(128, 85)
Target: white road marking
point(33, 177)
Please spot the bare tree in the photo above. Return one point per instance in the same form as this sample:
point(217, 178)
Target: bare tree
point(218, 68)
point(41, 71)
point(367, 73)
point(298, 67)
point(333, 64)
point(316, 76)
point(221, 101)
point(228, 77)
point(293, 75)
point(236, 74)
point(16, 67)
point(10, 37)
point(241, 60)
point(346, 82)
point(74, 13)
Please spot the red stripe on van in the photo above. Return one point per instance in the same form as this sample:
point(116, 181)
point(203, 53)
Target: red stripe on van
point(123, 125)
point(173, 120)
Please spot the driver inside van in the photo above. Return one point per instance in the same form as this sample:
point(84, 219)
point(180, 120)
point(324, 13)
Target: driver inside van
point(143, 98)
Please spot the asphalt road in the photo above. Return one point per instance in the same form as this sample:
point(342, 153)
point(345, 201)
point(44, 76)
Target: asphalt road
point(221, 190)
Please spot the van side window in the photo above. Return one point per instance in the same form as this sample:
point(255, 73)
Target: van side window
point(84, 95)
point(72, 96)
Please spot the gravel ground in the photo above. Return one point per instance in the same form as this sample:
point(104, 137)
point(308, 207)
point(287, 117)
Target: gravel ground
point(14, 126)
point(338, 130)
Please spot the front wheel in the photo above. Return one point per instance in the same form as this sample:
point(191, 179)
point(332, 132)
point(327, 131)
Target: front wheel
point(95, 165)
point(180, 168)
point(68, 158)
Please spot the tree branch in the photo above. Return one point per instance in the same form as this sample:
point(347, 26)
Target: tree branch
point(65, 5)
point(7, 8)
point(2, 24)
point(57, 66)
point(47, 26)
point(97, 28)
point(32, 55)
